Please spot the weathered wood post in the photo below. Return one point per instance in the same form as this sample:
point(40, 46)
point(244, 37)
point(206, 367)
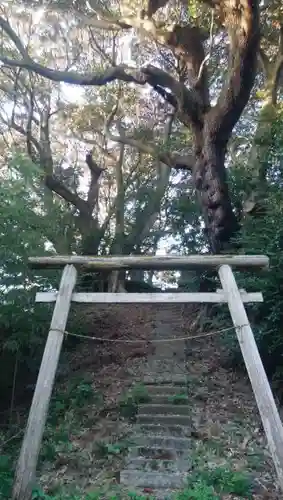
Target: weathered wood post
point(260, 385)
point(26, 467)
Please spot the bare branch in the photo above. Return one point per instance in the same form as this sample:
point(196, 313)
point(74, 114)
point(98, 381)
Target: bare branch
point(95, 173)
point(7, 28)
point(264, 61)
point(208, 55)
point(173, 161)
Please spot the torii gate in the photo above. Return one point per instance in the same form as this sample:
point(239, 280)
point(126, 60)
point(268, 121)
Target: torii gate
point(26, 467)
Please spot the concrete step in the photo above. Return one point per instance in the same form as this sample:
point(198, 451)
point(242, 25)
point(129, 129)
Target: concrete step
point(175, 399)
point(164, 409)
point(157, 453)
point(166, 365)
point(178, 443)
point(152, 465)
point(164, 430)
point(168, 390)
point(137, 478)
point(146, 418)
point(161, 379)
point(157, 494)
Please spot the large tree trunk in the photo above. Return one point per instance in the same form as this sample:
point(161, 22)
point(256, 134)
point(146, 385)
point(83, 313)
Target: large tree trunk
point(211, 184)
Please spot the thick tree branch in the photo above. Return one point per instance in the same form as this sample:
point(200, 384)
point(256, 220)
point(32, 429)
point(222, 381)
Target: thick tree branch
point(122, 73)
point(7, 28)
point(155, 77)
point(95, 173)
point(244, 46)
point(59, 188)
point(191, 103)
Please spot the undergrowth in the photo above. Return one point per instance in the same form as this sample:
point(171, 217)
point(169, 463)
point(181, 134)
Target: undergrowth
point(129, 403)
point(208, 484)
point(69, 407)
point(212, 484)
point(65, 417)
point(178, 399)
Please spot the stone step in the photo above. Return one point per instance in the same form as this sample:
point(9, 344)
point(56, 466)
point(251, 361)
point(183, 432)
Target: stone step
point(175, 399)
point(137, 478)
point(157, 453)
point(178, 443)
point(171, 357)
point(164, 409)
point(161, 379)
point(164, 430)
point(166, 366)
point(157, 494)
point(166, 420)
point(168, 390)
point(147, 464)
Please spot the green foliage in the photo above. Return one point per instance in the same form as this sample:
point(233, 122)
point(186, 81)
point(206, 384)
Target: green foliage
point(38, 494)
point(64, 417)
point(228, 481)
point(129, 403)
point(23, 233)
point(135, 496)
point(212, 484)
point(199, 491)
point(6, 476)
point(263, 234)
point(178, 399)
point(75, 395)
point(107, 450)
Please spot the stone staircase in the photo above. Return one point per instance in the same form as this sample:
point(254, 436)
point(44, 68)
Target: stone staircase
point(158, 461)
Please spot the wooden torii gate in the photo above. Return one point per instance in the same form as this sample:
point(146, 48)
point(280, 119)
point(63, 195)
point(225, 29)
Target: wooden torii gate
point(27, 462)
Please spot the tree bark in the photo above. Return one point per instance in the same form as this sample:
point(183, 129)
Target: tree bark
point(211, 184)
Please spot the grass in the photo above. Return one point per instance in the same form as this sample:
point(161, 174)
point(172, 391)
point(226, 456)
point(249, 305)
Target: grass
point(213, 483)
point(128, 405)
point(6, 476)
point(97, 495)
point(178, 399)
point(73, 409)
point(65, 417)
point(208, 484)
point(106, 450)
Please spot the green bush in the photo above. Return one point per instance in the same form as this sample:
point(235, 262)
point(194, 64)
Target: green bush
point(6, 476)
point(129, 403)
point(212, 484)
point(262, 233)
point(228, 481)
point(178, 399)
point(199, 491)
